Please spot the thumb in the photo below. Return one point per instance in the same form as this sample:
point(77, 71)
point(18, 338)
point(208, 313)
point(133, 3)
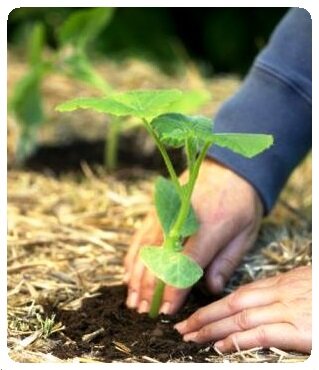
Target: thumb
point(226, 261)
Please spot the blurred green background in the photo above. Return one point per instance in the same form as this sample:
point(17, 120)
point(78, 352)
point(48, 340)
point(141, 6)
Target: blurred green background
point(219, 40)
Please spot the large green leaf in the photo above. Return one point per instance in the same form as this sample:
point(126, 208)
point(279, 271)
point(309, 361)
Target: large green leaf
point(174, 128)
point(167, 202)
point(248, 145)
point(138, 103)
point(83, 26)
point(190, 101)
point(174, 268)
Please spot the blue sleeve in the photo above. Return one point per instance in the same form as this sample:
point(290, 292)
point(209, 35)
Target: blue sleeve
point(275, 98)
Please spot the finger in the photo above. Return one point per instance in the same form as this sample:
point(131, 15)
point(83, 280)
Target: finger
point(173, 299)
point(146, 291)
point(134, 283)
point(206, 244)
point(149, 234)
point(237, 301)
point(283, 336)
point(129, 262)
point(241, 321)
point(227, 260)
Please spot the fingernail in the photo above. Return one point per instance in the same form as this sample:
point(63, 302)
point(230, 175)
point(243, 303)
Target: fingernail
point(180, 327)
point(143, 307)
point(190, 337)
point(132, 299)
point(165, 308)
point(219, 346)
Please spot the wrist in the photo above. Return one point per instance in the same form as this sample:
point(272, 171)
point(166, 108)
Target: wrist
point(216, 168)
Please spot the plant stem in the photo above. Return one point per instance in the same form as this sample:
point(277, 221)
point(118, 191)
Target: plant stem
point(165, 156)
point(189, 156)
point(186, 199)
point(157, 299)
point(111, 145)
point(174, 235)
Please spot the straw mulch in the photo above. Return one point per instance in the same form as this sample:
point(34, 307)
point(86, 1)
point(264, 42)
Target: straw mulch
point(67, 237)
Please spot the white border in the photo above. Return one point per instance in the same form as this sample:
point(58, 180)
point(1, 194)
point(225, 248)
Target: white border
point(6, 7)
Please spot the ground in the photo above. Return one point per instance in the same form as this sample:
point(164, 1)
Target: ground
point(70, 224)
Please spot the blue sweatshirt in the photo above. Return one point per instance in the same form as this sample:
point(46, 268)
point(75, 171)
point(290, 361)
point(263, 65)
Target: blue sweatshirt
point(275, 98)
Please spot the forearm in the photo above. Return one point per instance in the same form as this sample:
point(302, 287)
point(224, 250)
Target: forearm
point(275, 98)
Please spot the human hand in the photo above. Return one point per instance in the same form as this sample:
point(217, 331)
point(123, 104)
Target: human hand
point(229, 213)
point(270, 312)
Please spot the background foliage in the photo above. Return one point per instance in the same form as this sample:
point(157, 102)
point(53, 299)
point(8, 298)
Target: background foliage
point(220, 39)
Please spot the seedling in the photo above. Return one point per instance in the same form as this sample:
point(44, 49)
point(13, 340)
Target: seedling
point(47, 324)
point(26, 102)
point(73, 37)
point(172, 199)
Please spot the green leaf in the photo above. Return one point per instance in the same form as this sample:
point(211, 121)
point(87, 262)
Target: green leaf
point(174, 129)
point(190, 101)
point(26, 105)
point(83, 26)
point(167, 202)
point(174, 268)
point(26, 102)
point(35, 44)
point(248, 145)
point(137, 103)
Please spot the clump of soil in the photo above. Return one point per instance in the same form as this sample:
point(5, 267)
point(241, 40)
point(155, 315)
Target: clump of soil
point(123, 334)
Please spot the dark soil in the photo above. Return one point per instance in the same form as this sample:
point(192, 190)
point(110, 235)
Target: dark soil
point(134, 152)
point(127, 335)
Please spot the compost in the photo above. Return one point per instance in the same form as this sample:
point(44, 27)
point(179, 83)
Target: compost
point(121, 334)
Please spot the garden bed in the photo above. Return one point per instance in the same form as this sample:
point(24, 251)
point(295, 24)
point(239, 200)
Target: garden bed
point(70, 224)
point(67, 239)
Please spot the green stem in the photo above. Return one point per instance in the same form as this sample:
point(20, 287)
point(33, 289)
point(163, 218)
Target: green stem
point(186, 199)
point(111, 145)
point(175, 232)
point(157, 299)
point(189, 156)
point(165, 156)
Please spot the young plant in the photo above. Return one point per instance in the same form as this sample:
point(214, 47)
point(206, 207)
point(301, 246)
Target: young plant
point(74, 36)
point(26, 101)
point(172, 200)
point(47, 324)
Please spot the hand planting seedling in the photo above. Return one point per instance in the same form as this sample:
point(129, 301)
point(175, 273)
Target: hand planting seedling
point(172, 200)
